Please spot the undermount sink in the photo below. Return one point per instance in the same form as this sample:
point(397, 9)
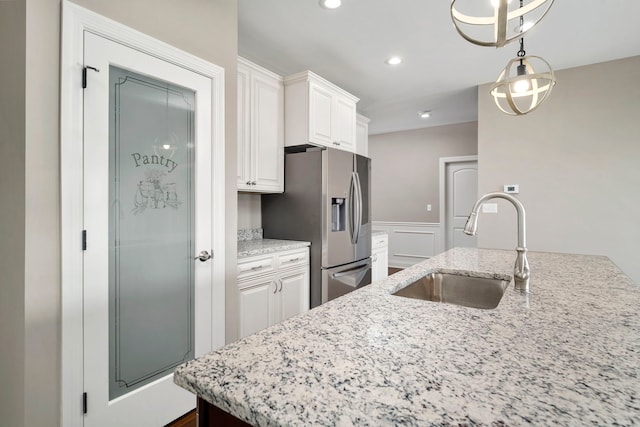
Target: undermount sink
point(475, 292)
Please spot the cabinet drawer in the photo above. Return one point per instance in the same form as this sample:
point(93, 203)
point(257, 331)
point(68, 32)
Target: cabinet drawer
point(255, 265)
point(379, 242)
point(293, 258)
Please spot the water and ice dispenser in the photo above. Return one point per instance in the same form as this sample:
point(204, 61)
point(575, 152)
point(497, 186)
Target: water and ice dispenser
point(338, 208)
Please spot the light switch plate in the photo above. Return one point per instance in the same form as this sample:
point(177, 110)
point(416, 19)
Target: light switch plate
point(490, 208)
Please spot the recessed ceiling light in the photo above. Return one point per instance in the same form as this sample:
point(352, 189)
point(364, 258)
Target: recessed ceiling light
point(526, 26)
point(424, 114)
point(330, 4)
point(394, 60)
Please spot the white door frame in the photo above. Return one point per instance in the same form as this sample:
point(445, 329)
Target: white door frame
point(75, 21)
point(444, 162)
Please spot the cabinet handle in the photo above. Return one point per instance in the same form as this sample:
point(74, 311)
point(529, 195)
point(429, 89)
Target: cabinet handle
point(275, 288)
point(257, 267)
point(291, 260)
point(253, 183)
point(248, 182)
point(280, 280)
point(336, 143)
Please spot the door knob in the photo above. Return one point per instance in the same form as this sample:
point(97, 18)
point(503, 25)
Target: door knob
point(203, 256)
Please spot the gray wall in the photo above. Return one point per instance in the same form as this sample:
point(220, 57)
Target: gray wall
point(30, 176)
point(12, 210)
point(405, 169)
point(576, 160)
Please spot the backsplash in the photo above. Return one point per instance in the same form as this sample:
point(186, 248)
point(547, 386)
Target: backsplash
point(250, 234)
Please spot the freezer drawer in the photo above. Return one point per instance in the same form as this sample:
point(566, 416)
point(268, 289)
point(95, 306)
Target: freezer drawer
point(337, 281)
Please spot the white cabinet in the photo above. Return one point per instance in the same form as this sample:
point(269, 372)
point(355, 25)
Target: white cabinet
point(272, 288)
point(362, 135)
point(260, 129)
point(318, 112)
point(380, 257)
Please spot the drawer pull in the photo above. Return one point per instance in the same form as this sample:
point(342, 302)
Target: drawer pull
point(292, 259)
point(257, 267)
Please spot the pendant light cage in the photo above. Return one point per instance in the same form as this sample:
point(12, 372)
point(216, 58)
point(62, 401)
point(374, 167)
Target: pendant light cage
point(519, 89)
point(496, 22)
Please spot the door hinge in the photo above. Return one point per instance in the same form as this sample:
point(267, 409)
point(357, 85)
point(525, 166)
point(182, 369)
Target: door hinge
point(84, 75)
point(84, 240)
point(84, 402)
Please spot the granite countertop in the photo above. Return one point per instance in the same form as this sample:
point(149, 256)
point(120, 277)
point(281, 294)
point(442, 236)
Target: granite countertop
point(379, 233)
point(566, 354)
point(253, 247)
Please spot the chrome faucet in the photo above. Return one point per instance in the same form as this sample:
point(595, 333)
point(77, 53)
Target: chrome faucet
point(521, 270)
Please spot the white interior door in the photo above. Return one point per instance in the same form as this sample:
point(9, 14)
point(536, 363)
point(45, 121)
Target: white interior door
point(461, 191)
point(147, 214)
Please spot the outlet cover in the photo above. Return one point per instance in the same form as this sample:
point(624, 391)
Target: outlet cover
point(490, 208)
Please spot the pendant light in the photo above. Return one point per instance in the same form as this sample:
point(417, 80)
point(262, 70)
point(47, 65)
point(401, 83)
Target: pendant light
point(488, 22)
point(519, 89)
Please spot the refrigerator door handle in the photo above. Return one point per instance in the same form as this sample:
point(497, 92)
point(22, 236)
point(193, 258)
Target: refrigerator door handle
point(352, 271)
point(352, 208)
point(359, 207)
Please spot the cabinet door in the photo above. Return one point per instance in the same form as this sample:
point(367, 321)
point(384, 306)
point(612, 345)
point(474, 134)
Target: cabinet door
point(256, 310)
point(320, 107)
point(362, 135)
point(345, 124)
point(375, 267)
point(294, 293)
point(267, 138)
point(244, 149)
point(383, 262)
point(380, 264)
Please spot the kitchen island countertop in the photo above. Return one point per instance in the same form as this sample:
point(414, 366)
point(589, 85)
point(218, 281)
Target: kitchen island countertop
point(566, 354)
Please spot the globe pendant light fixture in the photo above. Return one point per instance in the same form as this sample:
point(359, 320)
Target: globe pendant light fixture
point(489, 22)
point(519, 89)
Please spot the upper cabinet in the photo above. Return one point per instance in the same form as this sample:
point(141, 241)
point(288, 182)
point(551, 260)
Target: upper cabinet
point(260, 129)
point(318, 112)
point(362, 135)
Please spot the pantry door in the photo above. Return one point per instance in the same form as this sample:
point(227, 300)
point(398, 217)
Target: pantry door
point(147, 214)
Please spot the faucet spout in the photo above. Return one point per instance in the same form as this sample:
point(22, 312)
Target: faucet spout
point(521, 271)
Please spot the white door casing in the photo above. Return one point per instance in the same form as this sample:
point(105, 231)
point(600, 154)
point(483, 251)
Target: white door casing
point(209, 312)
point(458, 193)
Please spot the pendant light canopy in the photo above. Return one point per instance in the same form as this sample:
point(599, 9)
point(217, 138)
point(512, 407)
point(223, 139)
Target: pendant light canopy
point(496, 22)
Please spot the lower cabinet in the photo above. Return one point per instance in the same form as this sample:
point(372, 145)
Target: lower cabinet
point(267, 298)
point(379, 257)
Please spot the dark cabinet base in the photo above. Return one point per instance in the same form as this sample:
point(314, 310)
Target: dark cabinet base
point(209, 415)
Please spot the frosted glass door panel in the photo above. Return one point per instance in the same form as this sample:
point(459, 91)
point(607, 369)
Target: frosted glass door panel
point(151, 229)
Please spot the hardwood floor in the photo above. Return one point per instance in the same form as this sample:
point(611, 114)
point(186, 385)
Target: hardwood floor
point(187, 420)
point(394, 270)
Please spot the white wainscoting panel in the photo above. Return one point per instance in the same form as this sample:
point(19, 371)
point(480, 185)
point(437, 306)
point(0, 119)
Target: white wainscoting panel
point(410, 242)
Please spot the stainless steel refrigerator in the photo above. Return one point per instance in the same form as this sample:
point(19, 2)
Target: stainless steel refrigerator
point(326, 202)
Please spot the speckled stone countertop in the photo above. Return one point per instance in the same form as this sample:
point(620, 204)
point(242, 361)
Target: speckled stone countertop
point(375, 233)
point(567, 354)
point(265, 246)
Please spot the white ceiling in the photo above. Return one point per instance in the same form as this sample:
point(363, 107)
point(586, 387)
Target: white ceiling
point(348, 46)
